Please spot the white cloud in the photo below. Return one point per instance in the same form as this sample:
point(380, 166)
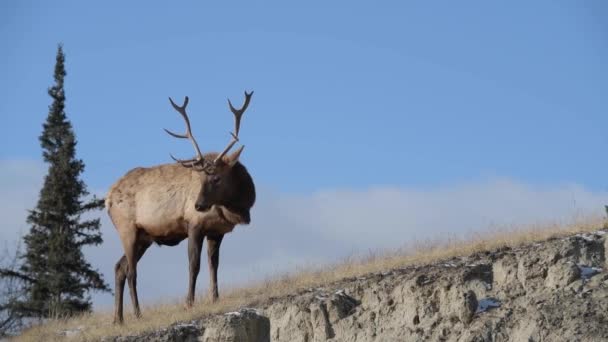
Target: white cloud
point(386, 216)
point(292, 230)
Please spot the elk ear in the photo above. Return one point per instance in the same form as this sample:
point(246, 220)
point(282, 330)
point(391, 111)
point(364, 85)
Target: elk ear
point(234, 157)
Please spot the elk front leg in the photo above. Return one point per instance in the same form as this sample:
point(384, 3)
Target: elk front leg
point(195, 244)
point(213, 258)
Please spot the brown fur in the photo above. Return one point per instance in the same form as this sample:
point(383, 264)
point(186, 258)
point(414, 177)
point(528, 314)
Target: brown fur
point(157, 204)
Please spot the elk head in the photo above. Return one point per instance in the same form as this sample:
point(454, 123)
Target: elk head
point(220, 173)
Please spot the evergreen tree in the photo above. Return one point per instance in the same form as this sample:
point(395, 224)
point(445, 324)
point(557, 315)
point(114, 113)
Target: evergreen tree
point(57, 276)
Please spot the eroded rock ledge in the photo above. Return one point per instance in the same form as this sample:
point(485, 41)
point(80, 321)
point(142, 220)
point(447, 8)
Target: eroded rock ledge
point(556, 290)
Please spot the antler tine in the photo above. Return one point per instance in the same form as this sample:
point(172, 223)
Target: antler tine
point(230, 145)
point(194, 162)
point(238, 114)
point(184, 162)
point(188, 135)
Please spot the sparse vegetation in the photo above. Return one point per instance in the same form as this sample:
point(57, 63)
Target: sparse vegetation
point(96, 325)
point(11, 290)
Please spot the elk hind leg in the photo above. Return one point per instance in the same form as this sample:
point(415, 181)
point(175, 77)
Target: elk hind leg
point(134, 250)
point(120, 276)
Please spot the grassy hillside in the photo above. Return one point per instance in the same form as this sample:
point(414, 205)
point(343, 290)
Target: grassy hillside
point(98, 324)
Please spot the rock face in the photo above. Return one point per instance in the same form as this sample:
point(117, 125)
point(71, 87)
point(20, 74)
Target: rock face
point(556, 290)
point(246, 325)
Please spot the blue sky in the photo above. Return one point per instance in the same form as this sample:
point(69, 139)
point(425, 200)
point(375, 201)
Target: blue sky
point(346, 95)
point(441, 102)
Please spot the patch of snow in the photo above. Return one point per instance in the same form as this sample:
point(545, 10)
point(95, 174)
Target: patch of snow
point(448, 264)
point(241, 312)
point(487, 304)
point(600, 232)
point(586, 237)
point(426, 281)
point(488, 286)
point(341, 293)
point(588, 272)
point(252, 310)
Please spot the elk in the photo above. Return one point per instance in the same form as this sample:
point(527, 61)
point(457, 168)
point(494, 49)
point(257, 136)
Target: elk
point(198, 198)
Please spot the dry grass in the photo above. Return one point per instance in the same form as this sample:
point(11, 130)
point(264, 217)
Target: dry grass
point(96, 325)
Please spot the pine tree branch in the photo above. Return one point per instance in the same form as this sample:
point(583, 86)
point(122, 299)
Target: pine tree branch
point(94, 204)
point(89, 240)
point(15, 275)
point(88, 225)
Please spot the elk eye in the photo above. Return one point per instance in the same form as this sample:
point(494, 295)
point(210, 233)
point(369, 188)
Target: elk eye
point(215, 180)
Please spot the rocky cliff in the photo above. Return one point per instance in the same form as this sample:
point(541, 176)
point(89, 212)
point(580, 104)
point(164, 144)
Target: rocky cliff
point(556, 290)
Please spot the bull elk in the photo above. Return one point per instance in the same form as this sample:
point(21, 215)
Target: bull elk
point(198, 198)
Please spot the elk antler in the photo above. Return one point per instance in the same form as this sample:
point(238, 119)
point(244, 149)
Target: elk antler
point(199, 159)
point(238, 114)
